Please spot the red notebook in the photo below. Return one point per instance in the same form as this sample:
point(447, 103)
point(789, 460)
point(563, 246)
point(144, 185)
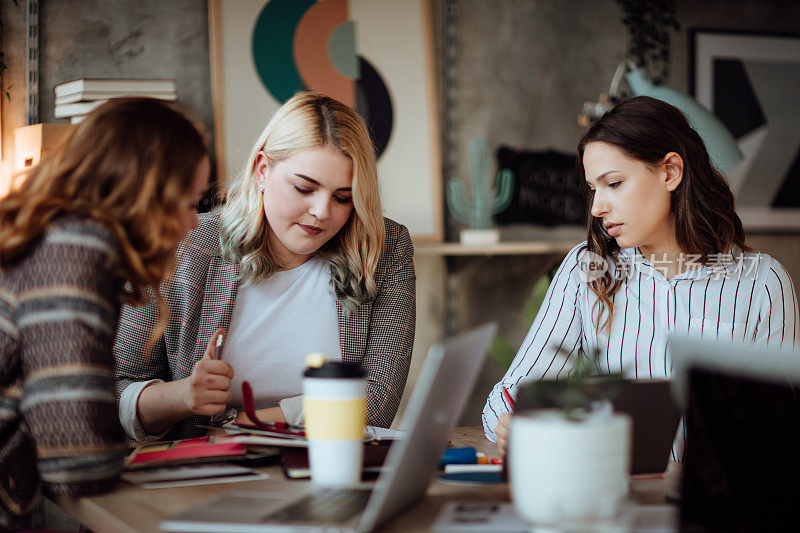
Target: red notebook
point(203, 449)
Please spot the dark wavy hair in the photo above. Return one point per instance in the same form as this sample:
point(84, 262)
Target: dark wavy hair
point(706, 223)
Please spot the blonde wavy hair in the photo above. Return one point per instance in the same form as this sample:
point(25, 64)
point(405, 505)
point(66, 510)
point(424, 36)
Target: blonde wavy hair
point(129, 165)
point(306, 121)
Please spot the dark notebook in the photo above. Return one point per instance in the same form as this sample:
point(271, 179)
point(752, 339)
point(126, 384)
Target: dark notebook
point(294, 461)
point(655, 420)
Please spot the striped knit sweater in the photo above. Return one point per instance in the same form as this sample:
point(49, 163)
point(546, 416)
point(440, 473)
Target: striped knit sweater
point(59, 430)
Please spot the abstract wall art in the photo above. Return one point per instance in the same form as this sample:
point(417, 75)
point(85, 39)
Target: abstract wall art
point(373, 55)
point(752, 83)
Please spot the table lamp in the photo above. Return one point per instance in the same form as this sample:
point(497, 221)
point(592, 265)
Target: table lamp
point(722, 147)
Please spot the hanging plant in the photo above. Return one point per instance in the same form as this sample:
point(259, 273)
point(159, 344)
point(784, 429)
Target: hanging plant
point(649, 23)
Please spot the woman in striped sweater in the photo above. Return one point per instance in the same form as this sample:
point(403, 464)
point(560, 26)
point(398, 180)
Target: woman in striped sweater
point(665, 254)
point(94, 225)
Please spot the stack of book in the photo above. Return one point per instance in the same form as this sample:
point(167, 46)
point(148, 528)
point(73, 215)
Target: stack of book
point(74, 99)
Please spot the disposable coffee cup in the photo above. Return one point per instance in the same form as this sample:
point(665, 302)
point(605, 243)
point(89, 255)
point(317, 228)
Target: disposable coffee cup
point(335, 413)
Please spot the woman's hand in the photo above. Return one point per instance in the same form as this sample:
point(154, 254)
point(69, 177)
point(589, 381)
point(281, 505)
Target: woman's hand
point(207, 390)
point(502, 431)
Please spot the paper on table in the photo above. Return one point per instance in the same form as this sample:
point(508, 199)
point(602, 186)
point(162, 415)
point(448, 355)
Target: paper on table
point(377, 433)
point(257, 439)
point(370, 433)
point(499, 517)
point(183, 476)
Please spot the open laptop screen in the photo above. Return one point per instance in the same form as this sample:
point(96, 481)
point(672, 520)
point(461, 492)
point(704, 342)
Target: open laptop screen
point(742, 458)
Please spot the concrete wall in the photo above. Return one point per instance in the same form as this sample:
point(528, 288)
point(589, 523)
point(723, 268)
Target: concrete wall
point(105, 39)
point(13, 109)
point(526, 66)
point(141, 39)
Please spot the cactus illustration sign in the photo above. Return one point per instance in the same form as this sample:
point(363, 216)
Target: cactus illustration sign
point(484, 200)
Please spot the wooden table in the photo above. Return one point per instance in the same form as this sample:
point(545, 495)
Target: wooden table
point(131, 509)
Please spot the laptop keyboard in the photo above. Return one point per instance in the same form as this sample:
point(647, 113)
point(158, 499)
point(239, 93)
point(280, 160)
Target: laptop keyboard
point(323, 505)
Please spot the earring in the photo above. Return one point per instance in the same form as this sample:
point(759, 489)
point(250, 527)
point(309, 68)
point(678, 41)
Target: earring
point(260, 188)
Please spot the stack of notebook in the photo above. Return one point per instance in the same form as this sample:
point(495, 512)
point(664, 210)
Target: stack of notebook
point(75, 99)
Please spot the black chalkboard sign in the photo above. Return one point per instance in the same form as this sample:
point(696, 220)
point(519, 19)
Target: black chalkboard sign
point(547, 189)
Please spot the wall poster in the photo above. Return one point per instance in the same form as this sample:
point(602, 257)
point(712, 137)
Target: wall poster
point(374, 55)
point(752, 83)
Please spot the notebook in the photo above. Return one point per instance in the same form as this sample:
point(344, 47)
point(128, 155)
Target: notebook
point(655, 419)
point(294, 461)
point(440, 393)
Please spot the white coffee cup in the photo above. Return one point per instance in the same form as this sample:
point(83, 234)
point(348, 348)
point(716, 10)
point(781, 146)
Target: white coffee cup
point(335, 413)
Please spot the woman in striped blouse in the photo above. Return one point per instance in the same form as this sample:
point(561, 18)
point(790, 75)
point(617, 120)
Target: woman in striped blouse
point(95, 224)
point(665, 254)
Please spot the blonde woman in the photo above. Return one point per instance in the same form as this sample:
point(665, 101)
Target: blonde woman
point(298, 260)
point(95, 224)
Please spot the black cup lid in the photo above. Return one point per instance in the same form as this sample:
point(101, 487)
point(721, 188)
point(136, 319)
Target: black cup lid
point(336, 369)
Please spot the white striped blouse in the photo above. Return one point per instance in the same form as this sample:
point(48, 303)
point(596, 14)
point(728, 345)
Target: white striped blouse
point(743, 296)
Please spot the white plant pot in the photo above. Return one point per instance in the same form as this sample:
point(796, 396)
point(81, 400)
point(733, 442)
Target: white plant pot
point(567, 471)
point(477, 237)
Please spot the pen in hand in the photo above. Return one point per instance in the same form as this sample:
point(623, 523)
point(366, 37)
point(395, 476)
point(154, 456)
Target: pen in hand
point(509, 400)
point(502, 438)
point(220, 338)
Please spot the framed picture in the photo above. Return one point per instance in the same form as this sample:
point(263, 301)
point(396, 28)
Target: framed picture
point(752, 83)
point(373, 55)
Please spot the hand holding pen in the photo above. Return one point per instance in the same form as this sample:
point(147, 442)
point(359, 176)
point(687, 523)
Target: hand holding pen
point(207, 389)
point(503, 427)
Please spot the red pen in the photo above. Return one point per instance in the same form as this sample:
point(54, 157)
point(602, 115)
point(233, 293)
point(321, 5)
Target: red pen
point(509, 399)
point(250, 411)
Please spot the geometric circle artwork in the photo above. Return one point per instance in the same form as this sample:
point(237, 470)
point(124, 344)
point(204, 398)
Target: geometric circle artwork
point(308, 45)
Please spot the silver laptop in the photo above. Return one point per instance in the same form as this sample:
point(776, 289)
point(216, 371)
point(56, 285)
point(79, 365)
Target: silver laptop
point(440, 393)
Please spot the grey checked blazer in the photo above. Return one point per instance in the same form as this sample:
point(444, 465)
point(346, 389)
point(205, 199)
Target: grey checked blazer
point(201, 295)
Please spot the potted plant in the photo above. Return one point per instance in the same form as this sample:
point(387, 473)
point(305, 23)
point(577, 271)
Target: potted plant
point(569, 461)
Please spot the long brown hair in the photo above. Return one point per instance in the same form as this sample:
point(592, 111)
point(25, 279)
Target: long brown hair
point(129, 164)
point(706, 223)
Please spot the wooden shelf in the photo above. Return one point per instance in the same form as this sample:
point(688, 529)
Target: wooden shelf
point(538, 247)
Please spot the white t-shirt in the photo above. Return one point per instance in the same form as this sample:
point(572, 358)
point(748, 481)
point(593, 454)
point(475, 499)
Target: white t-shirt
point(275, 323)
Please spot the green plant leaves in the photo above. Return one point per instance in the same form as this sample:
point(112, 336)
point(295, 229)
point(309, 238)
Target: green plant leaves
point(584, 384)
point(501, 351)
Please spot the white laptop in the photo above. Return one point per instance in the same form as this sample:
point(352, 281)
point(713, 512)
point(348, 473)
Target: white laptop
point(440, 393)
